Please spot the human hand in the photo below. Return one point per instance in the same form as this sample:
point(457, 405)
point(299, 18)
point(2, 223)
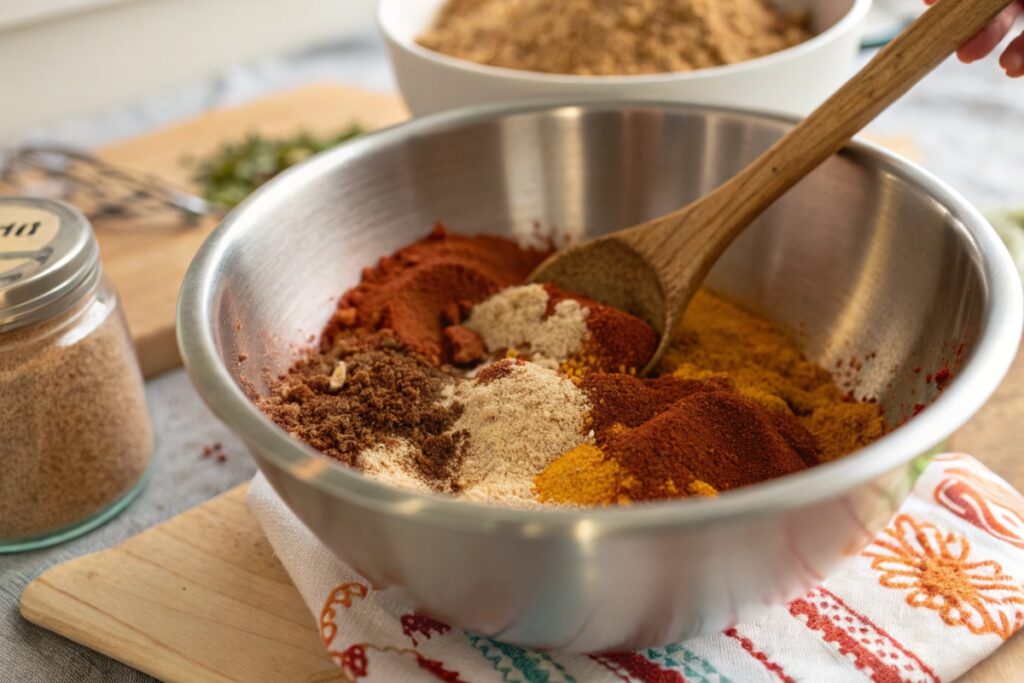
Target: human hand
point(986, 40)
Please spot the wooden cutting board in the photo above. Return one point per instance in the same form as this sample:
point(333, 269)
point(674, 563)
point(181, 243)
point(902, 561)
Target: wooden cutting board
point(147, 259)
point(202, 597)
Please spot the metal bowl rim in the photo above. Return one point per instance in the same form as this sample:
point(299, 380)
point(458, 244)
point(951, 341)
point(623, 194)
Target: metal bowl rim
point(857, 13)
point(980, 374)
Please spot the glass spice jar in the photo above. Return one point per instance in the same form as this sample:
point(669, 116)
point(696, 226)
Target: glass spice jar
point(75, 435)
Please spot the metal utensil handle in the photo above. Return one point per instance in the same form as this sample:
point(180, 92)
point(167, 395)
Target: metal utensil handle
point(98, 188)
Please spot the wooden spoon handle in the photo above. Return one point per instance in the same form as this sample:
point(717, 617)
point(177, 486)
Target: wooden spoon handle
point(933, 37)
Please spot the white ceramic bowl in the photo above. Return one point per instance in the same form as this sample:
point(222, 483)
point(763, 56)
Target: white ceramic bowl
point(792, 81)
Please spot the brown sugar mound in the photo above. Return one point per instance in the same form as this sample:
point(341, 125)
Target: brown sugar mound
point(428, 285)
point(611, 37)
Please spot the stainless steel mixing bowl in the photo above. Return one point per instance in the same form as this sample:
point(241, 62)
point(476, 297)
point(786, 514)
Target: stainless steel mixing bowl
point(870, 257)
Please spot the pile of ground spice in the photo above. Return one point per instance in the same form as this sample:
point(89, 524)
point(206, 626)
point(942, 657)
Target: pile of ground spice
point(669, 437)
point(737, 403)
point(523, 319)
point(616, 341)
point(611, 37)
point(429, 285)
point(441, 372)
point(519, 417)
point(386, 395)
point(561, 330)
point(719, 339)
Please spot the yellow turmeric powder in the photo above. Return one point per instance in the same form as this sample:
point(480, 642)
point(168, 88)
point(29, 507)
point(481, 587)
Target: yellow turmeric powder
point(582, 476)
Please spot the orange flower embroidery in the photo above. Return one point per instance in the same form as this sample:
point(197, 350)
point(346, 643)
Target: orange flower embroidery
point(343, 595)
point(935, 567)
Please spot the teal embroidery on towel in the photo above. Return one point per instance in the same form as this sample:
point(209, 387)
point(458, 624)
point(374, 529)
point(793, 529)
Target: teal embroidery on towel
point(518, 665)
point(693, 667)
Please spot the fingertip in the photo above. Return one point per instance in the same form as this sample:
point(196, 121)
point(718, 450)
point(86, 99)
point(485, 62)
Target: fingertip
point(1012, 62)
point(1012, 59)
point(987, 39)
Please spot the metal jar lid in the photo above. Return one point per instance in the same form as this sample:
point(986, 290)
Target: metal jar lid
point(49, 259)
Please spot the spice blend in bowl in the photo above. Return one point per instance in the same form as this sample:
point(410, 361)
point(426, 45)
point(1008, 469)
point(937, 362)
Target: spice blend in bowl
point(611, 37)
point(850, 276)
point(441, 371)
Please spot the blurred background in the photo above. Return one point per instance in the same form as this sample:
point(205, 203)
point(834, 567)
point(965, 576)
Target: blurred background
point(65, 58)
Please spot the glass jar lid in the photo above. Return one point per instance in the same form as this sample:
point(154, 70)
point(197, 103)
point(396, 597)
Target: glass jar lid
point(49, 259)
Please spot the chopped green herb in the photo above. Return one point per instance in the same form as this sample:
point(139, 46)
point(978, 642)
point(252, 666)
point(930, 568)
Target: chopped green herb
point(234, 171)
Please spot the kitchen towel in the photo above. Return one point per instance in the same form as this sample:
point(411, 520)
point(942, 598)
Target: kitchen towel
point(936, 592)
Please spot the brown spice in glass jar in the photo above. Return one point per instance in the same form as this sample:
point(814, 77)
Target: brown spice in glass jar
point(74, 431)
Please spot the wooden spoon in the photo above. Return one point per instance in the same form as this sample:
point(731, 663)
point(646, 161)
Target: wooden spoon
point(653, 270)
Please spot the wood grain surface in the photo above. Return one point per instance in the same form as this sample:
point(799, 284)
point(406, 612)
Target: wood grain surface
point(198, 598)
point(147, 260)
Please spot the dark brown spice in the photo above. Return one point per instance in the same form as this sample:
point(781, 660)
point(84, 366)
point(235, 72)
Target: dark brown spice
point(388, 393)
point(440, 457)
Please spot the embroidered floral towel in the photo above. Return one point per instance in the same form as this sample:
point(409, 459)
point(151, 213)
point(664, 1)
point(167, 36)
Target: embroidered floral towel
point(936, 592)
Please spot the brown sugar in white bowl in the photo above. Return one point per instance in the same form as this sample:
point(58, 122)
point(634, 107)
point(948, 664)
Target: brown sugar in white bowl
point(793, 80)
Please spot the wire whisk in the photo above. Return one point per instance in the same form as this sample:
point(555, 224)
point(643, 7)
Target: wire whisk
point(99, 189)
